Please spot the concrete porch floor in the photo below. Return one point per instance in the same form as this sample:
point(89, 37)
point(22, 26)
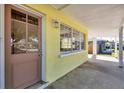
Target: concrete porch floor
point(96, 74)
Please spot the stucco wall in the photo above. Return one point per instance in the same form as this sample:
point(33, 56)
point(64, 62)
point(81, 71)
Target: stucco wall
point(55, 67)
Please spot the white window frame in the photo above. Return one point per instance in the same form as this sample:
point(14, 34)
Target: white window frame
point(72, 52)
point(67, 52)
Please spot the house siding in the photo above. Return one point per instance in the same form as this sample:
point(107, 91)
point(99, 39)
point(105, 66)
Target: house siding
point(56, 67)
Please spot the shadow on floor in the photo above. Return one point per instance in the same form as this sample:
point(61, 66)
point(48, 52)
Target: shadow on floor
point(96, 74)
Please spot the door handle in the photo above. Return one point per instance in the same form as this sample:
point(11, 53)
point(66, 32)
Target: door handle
point(39, 52)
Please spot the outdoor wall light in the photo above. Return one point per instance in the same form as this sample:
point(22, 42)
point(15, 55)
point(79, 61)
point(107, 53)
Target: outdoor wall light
point(55, 23)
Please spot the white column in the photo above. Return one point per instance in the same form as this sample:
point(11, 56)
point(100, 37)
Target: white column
point(2, 60)
point(94, 47)
point(121, 47)
point(115, 47)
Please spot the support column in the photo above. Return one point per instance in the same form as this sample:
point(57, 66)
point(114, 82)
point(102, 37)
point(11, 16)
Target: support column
point(94, 47)
point(121, 47)
point(115, 47)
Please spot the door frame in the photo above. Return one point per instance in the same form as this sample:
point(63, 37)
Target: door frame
point(2, 47)
point(2, 42)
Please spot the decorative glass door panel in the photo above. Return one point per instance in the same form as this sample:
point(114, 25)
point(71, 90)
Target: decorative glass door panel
point(23, 40)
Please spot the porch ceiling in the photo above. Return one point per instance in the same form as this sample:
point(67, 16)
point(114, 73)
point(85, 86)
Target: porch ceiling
point(100, 19)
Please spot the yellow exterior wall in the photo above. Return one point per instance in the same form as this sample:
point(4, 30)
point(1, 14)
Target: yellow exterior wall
point(55, 67)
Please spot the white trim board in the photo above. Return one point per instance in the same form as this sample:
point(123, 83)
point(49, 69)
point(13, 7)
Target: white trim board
point(2, 48)
point(43, 49)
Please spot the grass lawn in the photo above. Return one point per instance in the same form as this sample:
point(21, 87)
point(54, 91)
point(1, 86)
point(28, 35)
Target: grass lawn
point(104, 54)
point(112, 55)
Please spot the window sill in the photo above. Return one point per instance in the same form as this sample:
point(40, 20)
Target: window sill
point(72, 53)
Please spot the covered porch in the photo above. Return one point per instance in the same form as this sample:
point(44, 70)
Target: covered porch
point(104, 22)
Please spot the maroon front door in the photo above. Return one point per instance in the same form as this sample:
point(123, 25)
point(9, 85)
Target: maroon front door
point(23, 41)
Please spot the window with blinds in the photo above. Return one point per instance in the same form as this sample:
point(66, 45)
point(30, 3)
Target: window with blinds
point(71, 40)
